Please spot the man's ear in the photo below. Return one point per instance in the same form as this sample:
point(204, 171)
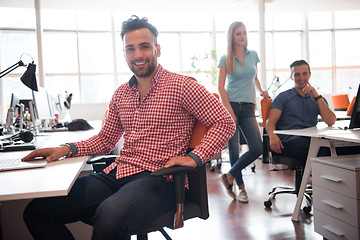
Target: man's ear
point(158, 50)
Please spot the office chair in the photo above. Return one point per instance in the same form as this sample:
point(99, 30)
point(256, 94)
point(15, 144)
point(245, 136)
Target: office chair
point(340, 102)
point(292, 163)
point(190, 203)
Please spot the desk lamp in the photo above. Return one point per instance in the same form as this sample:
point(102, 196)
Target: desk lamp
point(277, 84)
point(28, 78)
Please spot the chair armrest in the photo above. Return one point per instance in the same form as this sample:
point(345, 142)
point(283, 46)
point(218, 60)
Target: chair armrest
point(175, 170)
point(179, 173)
point(97, 159)
point(99, 163)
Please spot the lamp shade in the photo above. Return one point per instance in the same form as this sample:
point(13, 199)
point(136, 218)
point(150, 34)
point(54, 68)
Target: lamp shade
point(29, 77)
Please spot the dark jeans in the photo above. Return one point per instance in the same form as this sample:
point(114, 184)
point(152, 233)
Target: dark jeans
point(119, 206)
point(247, 124)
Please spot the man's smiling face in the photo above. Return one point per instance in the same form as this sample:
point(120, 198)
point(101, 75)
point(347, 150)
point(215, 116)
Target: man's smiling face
point(301, 75)
point(141, 52)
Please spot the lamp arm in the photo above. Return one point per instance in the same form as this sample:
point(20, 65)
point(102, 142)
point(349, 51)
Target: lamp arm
point(12, 68)
point(272, 82)
point(284, 82)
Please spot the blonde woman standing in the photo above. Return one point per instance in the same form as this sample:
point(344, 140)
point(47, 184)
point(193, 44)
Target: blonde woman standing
point(239, 67)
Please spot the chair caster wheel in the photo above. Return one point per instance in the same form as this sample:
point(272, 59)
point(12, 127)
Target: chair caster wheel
point(212, 169)
point(307, 209)
point(267, 204)
point(253, 168)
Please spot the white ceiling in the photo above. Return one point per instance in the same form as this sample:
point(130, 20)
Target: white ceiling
point(186, 5)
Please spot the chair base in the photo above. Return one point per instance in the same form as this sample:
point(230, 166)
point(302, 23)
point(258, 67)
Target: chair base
point(145, 236)
point(216, 161)
point(290, 190)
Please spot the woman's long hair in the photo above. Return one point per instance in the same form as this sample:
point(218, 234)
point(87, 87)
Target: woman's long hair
point(230, 56)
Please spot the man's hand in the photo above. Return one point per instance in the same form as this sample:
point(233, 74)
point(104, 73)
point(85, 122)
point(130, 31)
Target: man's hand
point(276, 144)
point(310, 90)
point(185, 161)
point(50, 154)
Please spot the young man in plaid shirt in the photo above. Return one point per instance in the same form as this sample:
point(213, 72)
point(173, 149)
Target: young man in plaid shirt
point(155, 113)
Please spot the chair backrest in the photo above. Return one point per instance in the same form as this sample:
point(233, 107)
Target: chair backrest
point(340, 102)
point(265, 109)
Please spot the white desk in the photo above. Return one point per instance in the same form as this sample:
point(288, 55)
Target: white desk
point(321, 135)
point(56, 179)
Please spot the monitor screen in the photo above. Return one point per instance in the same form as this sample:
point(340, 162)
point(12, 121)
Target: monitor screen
point(43, 110)
point(355, 116)
point(14, 103)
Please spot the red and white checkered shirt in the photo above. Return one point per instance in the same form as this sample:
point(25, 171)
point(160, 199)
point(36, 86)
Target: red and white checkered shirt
point(159, 126)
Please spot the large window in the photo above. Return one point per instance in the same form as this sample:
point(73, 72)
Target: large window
point(83, 52)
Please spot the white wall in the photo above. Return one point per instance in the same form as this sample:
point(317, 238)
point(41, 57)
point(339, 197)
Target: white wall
point(89, 112)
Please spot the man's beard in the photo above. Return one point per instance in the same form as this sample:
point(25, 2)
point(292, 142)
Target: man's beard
point(144, 72)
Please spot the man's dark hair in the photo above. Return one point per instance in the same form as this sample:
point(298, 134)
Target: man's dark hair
point(298, 63)
point(135, 23)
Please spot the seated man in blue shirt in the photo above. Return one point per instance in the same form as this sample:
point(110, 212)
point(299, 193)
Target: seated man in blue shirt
point(296, 108)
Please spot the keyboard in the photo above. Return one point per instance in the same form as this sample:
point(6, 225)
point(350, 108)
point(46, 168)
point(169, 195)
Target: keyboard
point(10, 162)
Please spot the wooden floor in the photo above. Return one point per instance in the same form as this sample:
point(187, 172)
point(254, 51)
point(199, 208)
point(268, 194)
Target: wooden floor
point(230, 219)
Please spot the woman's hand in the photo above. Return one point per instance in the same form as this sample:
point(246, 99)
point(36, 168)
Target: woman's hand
point(265, 95)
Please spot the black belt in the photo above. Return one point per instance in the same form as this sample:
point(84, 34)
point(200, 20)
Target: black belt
point(245, 103)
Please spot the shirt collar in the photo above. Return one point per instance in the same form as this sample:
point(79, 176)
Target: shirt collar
point(133, 80)
point(296, 92)
point(247, 51)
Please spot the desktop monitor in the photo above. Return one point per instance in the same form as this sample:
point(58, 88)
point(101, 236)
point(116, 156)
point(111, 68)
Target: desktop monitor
point(14, 103)
point(43, 110)
point(355, 116)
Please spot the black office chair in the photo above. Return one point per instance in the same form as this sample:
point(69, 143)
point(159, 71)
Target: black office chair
point(190, 203)
point(292, 163)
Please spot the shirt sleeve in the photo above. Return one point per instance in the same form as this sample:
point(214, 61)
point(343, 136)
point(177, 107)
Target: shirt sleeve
point(107, 138)
point(278, 102)
point(257, 59)
point(222, 61)
point(209, 110)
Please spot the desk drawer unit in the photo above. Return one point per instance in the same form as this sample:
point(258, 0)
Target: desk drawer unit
point(336, 202)
point(331, 228)
point(336, 205)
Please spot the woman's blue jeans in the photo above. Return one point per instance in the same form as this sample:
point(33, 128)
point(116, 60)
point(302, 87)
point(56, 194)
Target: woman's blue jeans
point(119, 206)
point(247, 124)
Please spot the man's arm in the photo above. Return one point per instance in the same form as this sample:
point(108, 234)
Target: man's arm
point(326, 114)
point(210, 111)
point(275, 142)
